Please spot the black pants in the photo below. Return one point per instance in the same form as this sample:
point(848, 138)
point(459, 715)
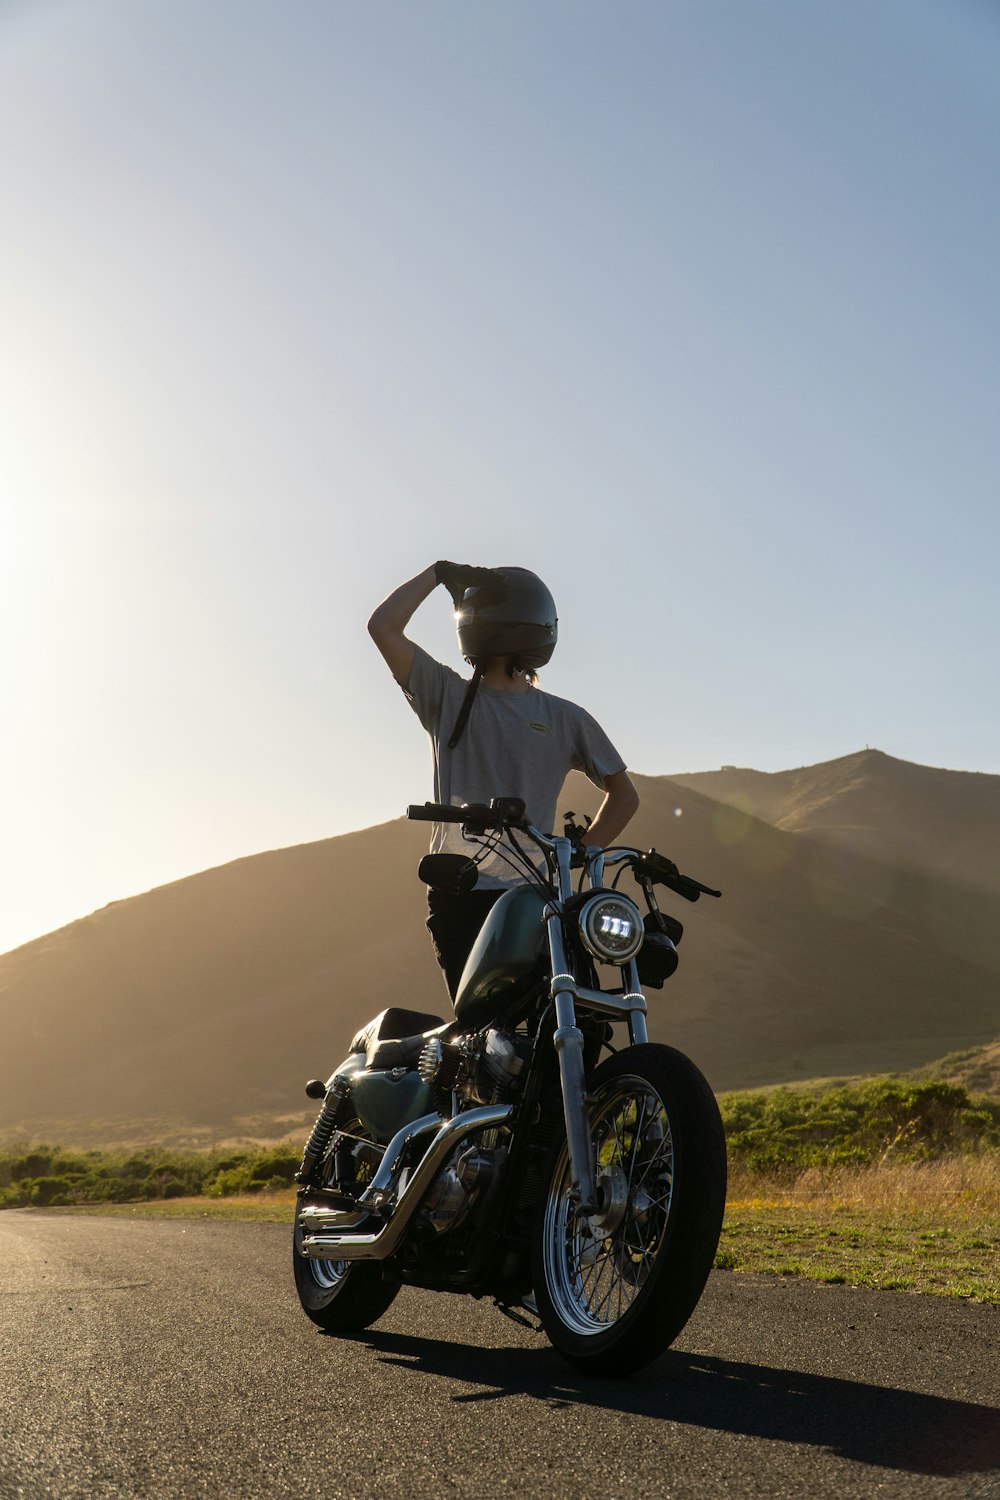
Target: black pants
point(453, 923)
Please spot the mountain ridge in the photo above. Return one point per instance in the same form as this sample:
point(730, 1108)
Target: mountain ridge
point(211, 998)
point(922, 816)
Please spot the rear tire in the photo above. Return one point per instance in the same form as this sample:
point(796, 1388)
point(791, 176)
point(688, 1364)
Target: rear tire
point(340, 1296)
point(615, 1290)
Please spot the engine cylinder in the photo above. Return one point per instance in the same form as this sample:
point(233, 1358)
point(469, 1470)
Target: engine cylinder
point(504, 1056)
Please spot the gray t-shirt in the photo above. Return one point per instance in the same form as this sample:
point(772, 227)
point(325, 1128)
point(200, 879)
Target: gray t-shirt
point(514, 745)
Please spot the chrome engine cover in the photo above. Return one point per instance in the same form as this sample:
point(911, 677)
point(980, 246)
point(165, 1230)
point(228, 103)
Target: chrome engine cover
point(452, 1195)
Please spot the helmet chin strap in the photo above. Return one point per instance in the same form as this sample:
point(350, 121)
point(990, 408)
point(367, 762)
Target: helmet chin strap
point(467, 702)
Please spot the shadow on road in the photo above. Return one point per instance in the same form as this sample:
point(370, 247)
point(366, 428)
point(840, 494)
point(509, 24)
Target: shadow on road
point(870, 1424)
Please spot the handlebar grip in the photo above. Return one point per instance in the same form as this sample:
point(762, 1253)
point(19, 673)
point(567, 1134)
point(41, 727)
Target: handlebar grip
point(664, 872)
point(434, 812)
point(689, 888)
point(682, 887)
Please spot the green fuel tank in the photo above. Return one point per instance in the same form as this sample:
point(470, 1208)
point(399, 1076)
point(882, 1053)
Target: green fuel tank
point(387, 1101)
point(511, 943)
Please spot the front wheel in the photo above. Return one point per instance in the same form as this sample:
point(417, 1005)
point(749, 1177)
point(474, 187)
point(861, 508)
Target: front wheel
point(615, 1288)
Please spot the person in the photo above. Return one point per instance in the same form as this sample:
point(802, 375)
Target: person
point(499, 734)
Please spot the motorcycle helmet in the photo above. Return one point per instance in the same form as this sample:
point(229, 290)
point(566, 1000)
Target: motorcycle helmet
point(517, 618)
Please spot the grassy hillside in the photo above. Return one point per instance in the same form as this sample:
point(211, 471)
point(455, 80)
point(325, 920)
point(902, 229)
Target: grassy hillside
point(975, 1068)
point(779, 1134)
point(198, 1009)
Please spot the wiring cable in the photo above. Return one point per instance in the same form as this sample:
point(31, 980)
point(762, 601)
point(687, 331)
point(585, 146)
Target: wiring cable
point(491, 845)
point(543, 882)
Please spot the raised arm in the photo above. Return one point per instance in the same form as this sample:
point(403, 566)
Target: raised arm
point(618, 808)
point(387, 626)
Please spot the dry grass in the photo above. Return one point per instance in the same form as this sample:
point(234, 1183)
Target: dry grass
point(950, 1185)
point(925, 1227)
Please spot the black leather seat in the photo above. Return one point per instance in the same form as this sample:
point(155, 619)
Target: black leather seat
point(396, 1037)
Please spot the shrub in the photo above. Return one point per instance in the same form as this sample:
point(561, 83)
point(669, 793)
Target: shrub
point(34, 1164)
point(49, 1191)
point(232, 1180)
point(856, 1124)
point(125, 1177)
point(275, 1167)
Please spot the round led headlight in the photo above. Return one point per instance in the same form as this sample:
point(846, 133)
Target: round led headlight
point(611, 928)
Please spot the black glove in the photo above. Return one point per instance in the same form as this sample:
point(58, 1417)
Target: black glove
point(457, 577)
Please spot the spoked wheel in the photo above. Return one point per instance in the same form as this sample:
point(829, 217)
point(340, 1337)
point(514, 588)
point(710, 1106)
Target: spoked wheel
point(343, 1296)
point(615, 1288)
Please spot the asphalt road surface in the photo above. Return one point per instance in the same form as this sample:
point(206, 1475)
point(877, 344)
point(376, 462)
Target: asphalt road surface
point(153, 1358)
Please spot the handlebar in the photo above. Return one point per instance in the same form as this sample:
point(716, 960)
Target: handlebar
point(663, 871)
point(508, 812)
point(435, 812)
point(503, 812)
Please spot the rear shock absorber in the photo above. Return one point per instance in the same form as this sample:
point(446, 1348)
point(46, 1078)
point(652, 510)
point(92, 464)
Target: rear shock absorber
point(327, 1121)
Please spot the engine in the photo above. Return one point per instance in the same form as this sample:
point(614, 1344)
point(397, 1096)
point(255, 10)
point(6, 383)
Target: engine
point(482, 1068)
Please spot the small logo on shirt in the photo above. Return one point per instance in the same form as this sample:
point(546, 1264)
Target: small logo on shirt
point(541, 728)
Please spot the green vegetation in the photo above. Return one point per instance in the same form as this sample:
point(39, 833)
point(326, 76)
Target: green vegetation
point(777, 1133)
point(891, 1183)
point(785, 1131)
point(50, 1176)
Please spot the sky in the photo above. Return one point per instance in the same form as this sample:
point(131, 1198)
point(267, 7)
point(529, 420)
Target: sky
point(689, 305)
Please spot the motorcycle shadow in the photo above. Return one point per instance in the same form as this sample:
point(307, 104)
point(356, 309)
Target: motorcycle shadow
point(879, 1425)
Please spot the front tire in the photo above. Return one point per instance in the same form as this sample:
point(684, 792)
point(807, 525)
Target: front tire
point(613, 1291)
point(342, 1296)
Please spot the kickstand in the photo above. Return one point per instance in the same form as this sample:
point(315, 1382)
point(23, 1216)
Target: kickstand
point(516, 1317)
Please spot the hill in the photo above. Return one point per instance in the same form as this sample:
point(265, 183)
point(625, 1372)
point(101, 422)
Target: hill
point(201, 1007)
point(920, 817)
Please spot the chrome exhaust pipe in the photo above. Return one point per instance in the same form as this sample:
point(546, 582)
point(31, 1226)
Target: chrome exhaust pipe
point(342, 1243)
point(320, 1220)
point(316, 1219)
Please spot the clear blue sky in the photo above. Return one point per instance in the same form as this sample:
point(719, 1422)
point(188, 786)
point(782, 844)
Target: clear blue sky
point(689, 304)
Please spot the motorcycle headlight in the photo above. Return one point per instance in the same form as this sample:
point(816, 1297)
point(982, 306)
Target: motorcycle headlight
point(611, 928)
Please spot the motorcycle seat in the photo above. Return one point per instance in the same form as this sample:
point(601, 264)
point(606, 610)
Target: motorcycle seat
point(396, 1037)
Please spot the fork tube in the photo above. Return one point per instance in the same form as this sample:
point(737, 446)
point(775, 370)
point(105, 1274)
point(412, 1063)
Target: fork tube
point(637, 1033)
point(568, 1040)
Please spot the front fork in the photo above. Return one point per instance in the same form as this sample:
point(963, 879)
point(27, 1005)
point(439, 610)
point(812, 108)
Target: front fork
point(572, 1076)
point(572, 1073)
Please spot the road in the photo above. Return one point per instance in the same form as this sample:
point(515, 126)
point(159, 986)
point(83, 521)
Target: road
point(169, 1358)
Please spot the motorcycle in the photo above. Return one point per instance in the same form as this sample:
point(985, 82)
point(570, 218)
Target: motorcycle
point(495, 1153)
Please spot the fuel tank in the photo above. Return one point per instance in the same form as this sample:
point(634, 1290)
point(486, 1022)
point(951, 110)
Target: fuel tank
point(510, 945)
point(386, 1101)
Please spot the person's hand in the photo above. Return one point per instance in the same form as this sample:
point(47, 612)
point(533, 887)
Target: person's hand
point(577, 835)
point(457, 577)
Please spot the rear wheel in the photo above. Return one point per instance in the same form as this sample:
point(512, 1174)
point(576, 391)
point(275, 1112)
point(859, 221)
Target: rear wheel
point(615, 1289)
point(342, 1296)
